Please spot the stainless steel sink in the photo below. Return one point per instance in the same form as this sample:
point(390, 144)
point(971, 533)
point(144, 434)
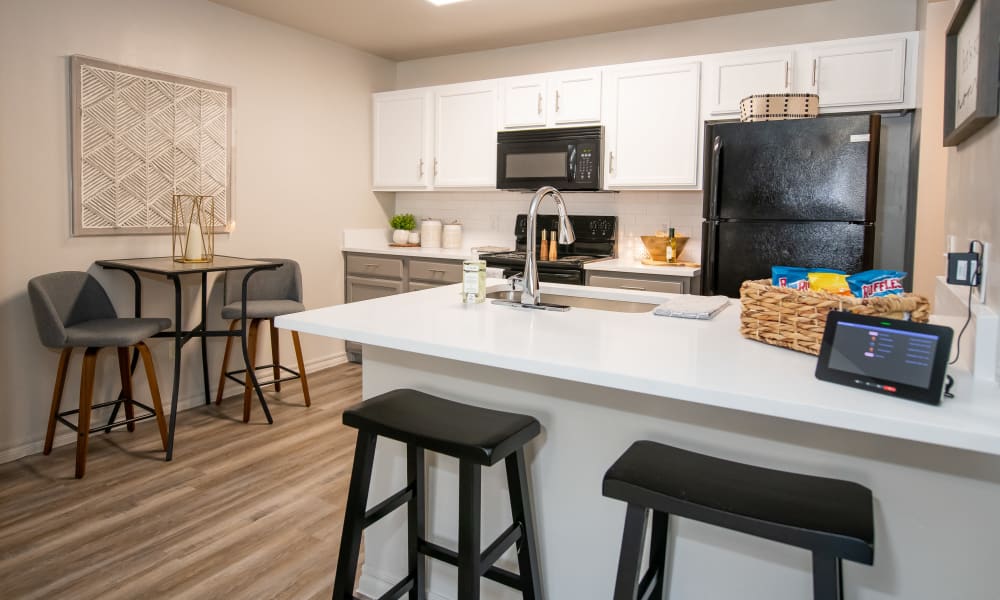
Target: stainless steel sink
point(556, 300)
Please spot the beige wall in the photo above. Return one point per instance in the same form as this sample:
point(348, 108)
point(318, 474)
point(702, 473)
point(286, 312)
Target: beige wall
point(808, 23)
point(933, 170)
point(301, 167)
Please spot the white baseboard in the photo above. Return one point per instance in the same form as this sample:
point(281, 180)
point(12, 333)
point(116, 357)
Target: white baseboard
point(183, 403)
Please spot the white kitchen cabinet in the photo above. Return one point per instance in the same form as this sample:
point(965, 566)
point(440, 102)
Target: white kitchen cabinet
point(576, 97)
point(523, 102)
point(732, 77)
point(465, 135)
point(401, 135)
point(558, 99)
point(858, 72)
point(653, 125)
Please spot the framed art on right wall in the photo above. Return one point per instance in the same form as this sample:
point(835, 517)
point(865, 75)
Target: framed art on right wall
point(972, 69)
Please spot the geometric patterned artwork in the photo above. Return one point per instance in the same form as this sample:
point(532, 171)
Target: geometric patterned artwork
point(139, 137)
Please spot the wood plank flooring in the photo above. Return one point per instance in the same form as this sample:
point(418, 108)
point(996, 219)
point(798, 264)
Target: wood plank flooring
point(243, 511)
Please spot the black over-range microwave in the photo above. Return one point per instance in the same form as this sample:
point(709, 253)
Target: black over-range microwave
point(566, 159)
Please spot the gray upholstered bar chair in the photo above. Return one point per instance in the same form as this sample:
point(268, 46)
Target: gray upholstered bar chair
point(270, 294)
point(72, 310)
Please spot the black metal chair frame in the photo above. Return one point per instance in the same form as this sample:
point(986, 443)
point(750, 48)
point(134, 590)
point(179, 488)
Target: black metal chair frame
point(471, 562)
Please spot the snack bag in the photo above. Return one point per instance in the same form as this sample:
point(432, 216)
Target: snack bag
point(876, 283)
point(831, 283)
point(790, 277)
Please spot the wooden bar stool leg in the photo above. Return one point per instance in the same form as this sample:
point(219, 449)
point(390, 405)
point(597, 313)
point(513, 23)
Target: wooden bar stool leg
point(275, 354)
point(302, 367)
point(521, 510)
point(630, 559)
point(416, 521)
point(354, 517)
point(126, 375)
point(827, 578)
point(469, 526)
point(57, 393)
point(658, 554)
point(225, 362)
point(86, 399)
point(154, 390)
point(247, 386)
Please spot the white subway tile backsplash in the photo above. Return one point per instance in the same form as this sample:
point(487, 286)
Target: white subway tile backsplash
point(639, 212)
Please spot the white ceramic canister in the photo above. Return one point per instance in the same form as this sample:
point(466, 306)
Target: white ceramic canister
point(452, 236)
point(430, 233)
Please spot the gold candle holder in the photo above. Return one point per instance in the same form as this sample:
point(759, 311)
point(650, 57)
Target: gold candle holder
point(193, 228)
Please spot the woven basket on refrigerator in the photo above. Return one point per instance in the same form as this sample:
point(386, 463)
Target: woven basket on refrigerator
point(778, 107)
point(796, 319)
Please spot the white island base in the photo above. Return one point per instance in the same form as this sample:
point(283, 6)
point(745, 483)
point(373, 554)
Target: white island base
point(937, 510)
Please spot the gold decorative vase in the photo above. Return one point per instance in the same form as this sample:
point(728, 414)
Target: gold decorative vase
point(193, 228)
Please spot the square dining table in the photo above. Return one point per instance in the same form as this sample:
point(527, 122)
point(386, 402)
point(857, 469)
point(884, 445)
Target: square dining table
point(173, 270)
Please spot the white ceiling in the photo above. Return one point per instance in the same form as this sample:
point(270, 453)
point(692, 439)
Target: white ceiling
point(409, 29)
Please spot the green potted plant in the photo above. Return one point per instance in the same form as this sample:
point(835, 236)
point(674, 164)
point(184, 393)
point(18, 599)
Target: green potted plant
point(402, 226)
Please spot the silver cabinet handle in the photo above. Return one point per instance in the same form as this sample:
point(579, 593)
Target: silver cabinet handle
point(557, 100)
point(815, 69)
point(540, 102)
point(437, 270)
point(632, 287)
point(611, 162)
point(421, 167)
point(371, 266)
point(787, 69)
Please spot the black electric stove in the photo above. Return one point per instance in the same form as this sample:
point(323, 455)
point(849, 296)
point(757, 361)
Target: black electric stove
point(596, 237)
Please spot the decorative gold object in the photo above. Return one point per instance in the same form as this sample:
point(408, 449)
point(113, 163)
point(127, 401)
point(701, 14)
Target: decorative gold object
point(193, 229)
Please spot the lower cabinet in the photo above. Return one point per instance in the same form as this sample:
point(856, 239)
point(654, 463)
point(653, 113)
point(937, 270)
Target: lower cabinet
point(370, 276)
point(647, 283)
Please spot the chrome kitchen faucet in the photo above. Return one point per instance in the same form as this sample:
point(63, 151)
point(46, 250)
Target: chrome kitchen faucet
point(530, 295)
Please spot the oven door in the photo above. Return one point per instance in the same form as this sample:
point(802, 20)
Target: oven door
point(568, 276)
point(565, 159)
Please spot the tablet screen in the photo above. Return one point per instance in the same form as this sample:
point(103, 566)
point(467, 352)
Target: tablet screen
point(888, 356)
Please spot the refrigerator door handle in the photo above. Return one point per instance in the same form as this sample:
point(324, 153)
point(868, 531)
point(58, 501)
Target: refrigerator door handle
point(713, 194)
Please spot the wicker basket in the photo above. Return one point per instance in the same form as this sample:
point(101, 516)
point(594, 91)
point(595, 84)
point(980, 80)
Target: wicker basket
point(778, 107)
point(796, 319)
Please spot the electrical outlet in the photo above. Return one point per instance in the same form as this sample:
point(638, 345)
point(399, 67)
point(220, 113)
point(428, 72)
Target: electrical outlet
point(984, 264)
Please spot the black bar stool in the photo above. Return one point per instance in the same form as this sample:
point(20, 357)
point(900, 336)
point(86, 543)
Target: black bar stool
point(831, 518)
point(478, 437)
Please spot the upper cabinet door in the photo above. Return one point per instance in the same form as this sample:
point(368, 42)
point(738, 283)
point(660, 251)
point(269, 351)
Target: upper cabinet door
point(857, 73)
point(653, 125)
point(576, 97)
point(523, 102)
point(732, 78)
point(465, 135)
point(401, 128)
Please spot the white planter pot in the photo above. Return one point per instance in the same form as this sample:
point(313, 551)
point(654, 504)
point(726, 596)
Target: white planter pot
point(413, 238)
point(399, 236)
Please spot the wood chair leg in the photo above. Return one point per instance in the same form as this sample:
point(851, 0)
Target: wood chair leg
point(630, 559)
point(86, 399)
point(225, 362)
point(127, 393)
point(302, 367)
point(275, 354)
point(247, 386)
point(154, 390)
point(57, 393)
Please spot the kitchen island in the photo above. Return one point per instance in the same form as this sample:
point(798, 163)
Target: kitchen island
point(600, 380)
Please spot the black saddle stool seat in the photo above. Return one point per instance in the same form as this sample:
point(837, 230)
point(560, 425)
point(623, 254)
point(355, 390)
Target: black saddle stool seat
point(829, 517)
point(477, 437)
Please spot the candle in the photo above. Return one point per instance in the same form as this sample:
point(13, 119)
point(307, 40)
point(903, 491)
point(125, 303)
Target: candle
point(194, 249)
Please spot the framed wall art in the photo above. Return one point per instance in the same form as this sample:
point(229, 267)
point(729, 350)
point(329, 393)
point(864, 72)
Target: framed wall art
point(141, 137)
point(972, 69)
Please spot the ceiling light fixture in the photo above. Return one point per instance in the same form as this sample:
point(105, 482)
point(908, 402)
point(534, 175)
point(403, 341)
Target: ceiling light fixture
point(443, 2)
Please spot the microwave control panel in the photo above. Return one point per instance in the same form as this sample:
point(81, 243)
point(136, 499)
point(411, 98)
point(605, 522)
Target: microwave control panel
point(585, 163)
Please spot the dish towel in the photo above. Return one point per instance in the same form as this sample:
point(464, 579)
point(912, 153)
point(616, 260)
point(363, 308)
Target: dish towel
point(687, 306)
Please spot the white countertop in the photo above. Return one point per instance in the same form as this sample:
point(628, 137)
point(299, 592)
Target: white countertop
point(376, 241)
point(628, 265)
point(705, 362)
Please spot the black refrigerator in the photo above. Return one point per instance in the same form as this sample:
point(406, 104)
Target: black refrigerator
point(798, 193)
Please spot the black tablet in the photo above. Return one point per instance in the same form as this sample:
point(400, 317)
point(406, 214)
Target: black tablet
point(888, 356)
